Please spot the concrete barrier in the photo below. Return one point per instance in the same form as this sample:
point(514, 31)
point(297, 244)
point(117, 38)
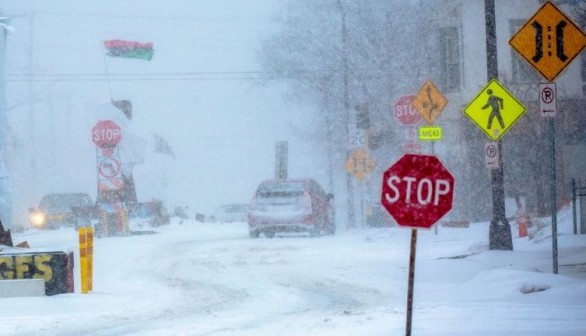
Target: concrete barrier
point(22, 287)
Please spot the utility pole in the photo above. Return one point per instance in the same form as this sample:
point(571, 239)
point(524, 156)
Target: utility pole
point(5, 190)
point(349, 182)
point(31, 111)
point(330, 149)
point(500, 237)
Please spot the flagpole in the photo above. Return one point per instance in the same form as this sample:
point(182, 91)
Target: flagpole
point(107, 74)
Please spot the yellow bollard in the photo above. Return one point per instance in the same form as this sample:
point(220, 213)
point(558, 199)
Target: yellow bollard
point(83, 260)
point(125, 222)
point(90, 257)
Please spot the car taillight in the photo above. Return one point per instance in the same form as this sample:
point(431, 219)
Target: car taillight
point(306, 201)
point(253, 203)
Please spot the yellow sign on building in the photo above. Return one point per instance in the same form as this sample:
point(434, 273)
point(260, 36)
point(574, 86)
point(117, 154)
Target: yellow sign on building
point(429, 102)
point(549, 41)
point(494, 110)
point(360, 164)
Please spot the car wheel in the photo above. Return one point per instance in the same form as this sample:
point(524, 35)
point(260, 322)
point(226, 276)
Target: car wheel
point(269, 234)
point(253, 234)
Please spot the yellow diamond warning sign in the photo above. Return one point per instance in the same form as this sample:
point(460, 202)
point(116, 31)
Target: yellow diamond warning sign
point(360, 164)
point(494, 110)
point(429, 102)
point(549, 41)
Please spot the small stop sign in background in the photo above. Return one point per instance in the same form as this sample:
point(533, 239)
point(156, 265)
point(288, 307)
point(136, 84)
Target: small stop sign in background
point(404, 111)
point(106, 134)
point(417, 190)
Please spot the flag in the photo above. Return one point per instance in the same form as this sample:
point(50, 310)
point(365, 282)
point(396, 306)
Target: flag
point(162, 146)
point(129, 49)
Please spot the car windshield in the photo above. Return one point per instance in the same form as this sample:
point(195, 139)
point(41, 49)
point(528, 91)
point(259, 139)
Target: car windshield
point(63, 201)
point(279, 197)
point(272, 190)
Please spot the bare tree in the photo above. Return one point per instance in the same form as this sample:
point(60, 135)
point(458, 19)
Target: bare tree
point(346, 55)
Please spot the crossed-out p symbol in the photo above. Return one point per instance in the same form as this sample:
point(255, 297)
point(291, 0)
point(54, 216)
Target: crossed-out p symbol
point(547, 95)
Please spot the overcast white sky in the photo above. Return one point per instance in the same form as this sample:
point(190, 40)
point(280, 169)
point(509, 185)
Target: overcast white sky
point(223, 130)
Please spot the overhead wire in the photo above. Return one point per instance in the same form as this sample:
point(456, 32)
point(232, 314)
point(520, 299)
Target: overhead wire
point(181, 76)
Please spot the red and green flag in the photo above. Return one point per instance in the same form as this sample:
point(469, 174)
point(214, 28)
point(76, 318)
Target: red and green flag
point(129, 49)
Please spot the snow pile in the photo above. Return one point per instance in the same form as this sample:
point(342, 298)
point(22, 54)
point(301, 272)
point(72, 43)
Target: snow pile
point(211, 279)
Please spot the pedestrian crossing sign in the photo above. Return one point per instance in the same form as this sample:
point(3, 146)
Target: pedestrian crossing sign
point(494, 110)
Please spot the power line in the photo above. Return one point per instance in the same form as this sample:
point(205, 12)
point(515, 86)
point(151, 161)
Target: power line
point(146, 73)
point(186, 76)
point(171, 76)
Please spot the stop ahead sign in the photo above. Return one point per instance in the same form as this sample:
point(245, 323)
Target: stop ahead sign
point(404, 111)
point(106, 134)
point(417, 190)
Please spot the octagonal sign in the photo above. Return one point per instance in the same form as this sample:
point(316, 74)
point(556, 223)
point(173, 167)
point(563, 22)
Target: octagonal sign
point(106, 134)
point(417, 190)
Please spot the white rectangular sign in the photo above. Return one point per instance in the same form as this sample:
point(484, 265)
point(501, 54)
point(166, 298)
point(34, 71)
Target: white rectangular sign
point(491, 155)
point(547, 100)
point(410, 133)
point(357, 138)
point(414, 148)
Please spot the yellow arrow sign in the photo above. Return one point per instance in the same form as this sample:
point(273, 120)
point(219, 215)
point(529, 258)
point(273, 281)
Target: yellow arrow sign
point(494, 110)
point(429, 102)
point(549, 41)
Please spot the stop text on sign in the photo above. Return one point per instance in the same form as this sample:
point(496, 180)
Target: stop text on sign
point(404, 111)
point(417, 190)
point(106, 133)
point(424, 190)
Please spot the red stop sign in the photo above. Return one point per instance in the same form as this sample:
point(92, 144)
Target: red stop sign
point(417, 190)
point(106, 134)
point(404, 111)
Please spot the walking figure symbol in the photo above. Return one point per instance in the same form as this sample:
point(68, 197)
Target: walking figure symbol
point(497, 104)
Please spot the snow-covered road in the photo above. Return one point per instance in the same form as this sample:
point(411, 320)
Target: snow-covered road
point(211, 279)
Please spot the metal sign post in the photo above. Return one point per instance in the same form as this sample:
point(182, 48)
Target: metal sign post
point(282, 160)
point(417, 191)
point(411, 284)
point(554, 222)
point(500, 237)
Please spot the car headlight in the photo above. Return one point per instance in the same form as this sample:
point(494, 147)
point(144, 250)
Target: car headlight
point(38, 219)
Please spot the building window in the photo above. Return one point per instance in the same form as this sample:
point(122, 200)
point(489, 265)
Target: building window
point(523, 71)
point(451, 66)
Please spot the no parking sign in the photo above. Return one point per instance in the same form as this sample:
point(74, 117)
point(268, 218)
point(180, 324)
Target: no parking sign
point(547, 100)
